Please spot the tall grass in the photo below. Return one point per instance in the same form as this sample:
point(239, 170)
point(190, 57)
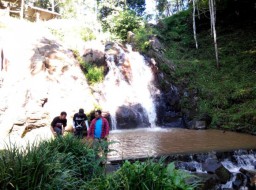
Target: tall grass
point(69, 163)
point(62, 163)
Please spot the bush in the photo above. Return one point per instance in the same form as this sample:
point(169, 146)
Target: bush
point(68, 163)
point(87, 34)
point(61, 163)
point(150, 175)
point(94, 74)
point(142, 36)
point(123, 23)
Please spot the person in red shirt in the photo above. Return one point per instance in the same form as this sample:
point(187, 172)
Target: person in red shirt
point(99, 127)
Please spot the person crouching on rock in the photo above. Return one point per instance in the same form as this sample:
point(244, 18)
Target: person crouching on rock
point(58, 124)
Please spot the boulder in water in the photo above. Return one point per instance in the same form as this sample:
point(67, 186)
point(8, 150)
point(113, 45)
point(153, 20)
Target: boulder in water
point(223, 174)
point(238, 182)
point(133, 116)
point(210, 165)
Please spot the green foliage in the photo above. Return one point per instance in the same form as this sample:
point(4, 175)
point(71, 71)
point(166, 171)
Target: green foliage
point(61, 163)
point(149, 175)
point(94, 74)
point(228, 94)
point(73, 8)
point(108, 8)
point(43, 4)
point(58, 33)
point(138, 6)
point(142, 36)
point(161, 6)
point(84, 33)
point(166, 8)
point(124, 22)
point(68, 163)
point(87, 34)
point(177, 28)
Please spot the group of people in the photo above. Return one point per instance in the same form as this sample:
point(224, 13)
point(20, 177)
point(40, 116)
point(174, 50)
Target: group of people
point(98, 129)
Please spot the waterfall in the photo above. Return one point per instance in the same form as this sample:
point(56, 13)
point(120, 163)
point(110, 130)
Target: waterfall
point(239, 161)
point(129, 84)
point(142, 82)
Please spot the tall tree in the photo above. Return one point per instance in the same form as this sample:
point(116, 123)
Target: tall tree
point(194, 22)
point(138, 6)
point(166, 8)
point(212, 9)
point(161, 6)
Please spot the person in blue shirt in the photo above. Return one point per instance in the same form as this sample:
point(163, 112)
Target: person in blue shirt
point(99, 128)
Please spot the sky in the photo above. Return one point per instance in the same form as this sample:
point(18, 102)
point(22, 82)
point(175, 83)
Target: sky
point(150, 6)
point(151, 9)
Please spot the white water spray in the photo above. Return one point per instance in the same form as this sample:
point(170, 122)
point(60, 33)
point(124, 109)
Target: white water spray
point(128, 87)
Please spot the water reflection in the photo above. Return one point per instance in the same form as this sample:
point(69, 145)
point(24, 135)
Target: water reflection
point(149, 142)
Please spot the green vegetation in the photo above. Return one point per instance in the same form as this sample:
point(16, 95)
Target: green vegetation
point(123, 22)
point(142, 36)
point(62, 163)
point(227, 94)
point(150, 175)
point(93, 73)
point(84, 33)
point(68, 163)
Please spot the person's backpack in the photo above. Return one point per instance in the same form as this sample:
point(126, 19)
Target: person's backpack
point(79, 126)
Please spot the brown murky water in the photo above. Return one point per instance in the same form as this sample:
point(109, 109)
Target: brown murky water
point(142, 143)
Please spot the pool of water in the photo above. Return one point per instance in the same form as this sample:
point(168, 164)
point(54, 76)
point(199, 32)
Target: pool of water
point(152, 142)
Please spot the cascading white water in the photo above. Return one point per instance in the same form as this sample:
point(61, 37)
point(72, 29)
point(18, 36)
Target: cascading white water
point(245, 161)
point(128, 88)
point(141, 82)
point(241, 160)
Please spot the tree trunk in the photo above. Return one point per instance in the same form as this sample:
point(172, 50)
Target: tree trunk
point(198, 13)
point(22, 9)
point(52, 2)
point(194, 23)
point(210, 9)
point(213, 22)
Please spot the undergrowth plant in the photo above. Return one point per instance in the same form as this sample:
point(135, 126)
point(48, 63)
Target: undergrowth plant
point(61, 163)
point(71, 163)
point(150, 175)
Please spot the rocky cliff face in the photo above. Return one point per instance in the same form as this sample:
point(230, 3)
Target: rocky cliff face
point(39, 79)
